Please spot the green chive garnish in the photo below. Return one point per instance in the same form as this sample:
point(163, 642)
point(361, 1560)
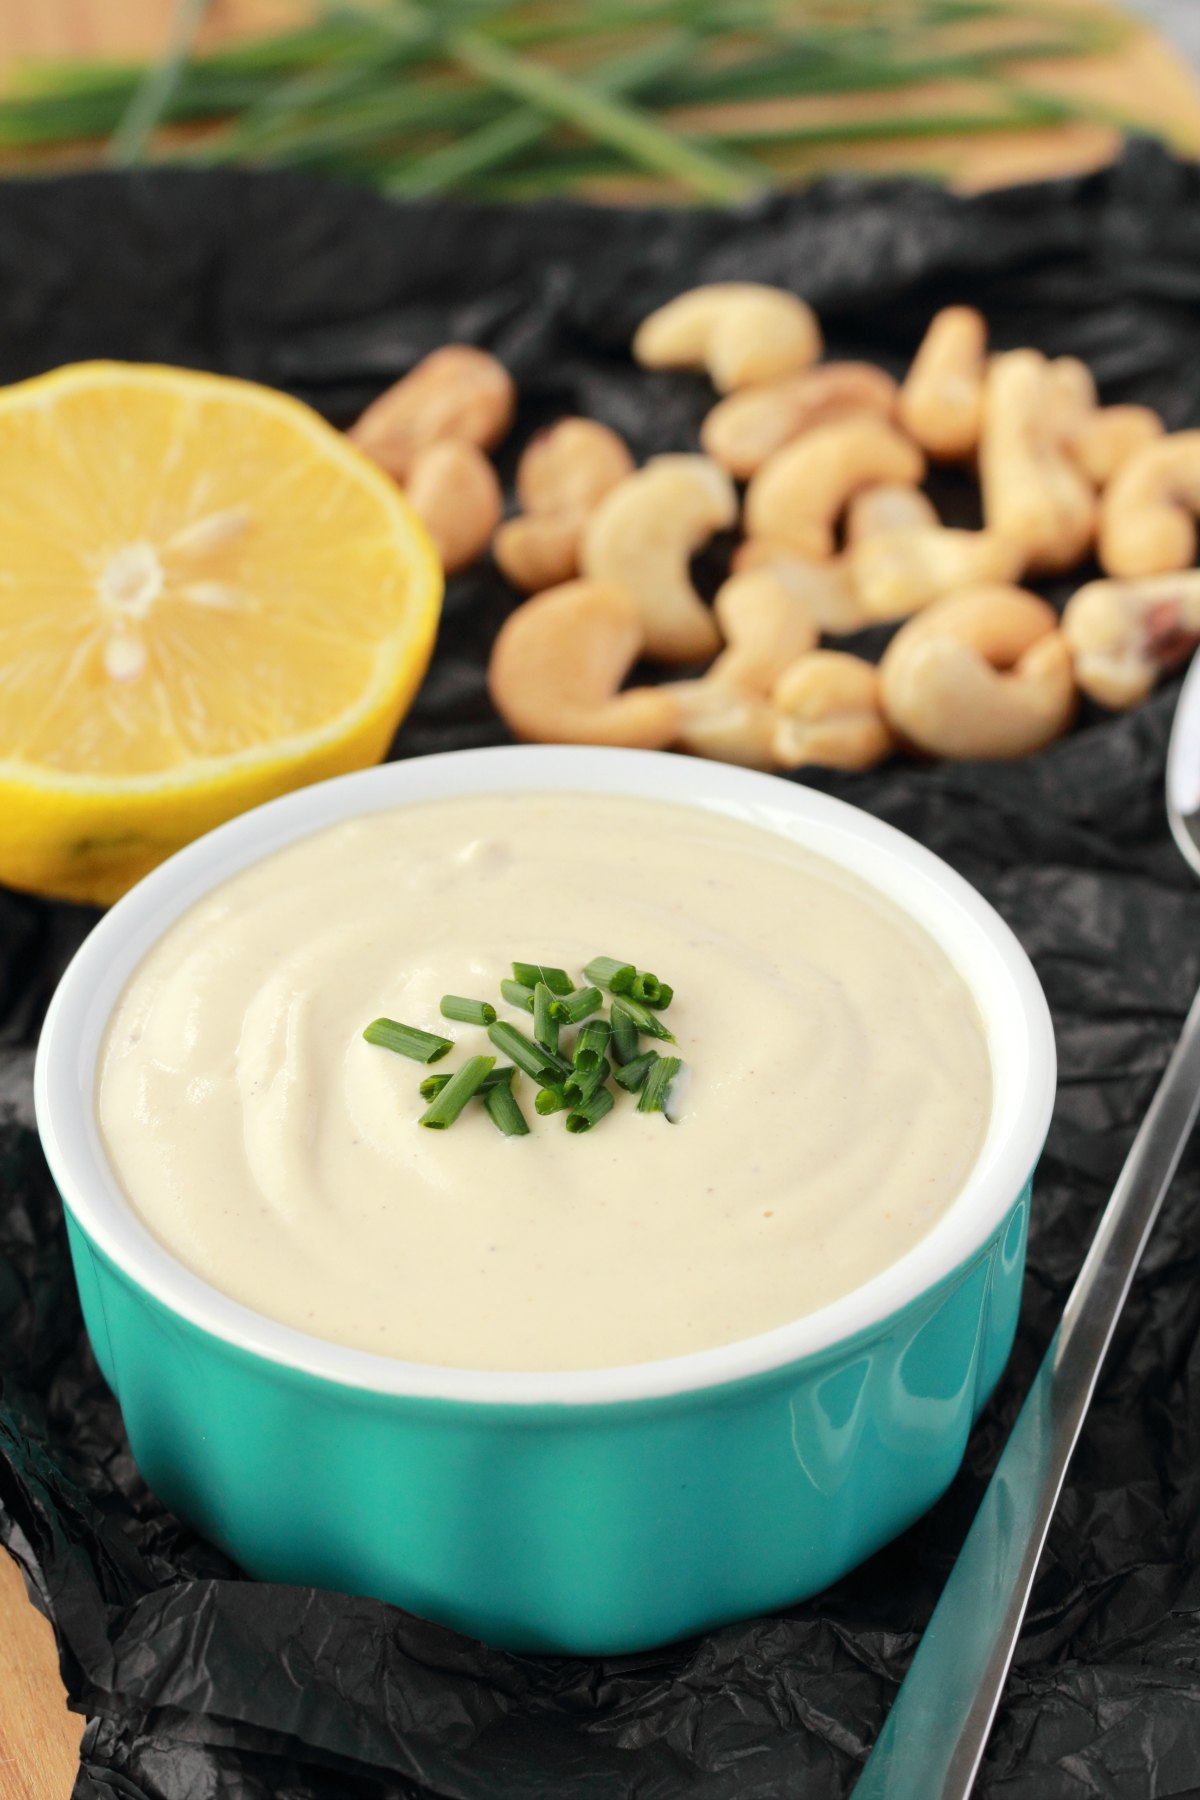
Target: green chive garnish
point(584, 1083)
point(550, 1099)
point(461, 1088)
point(517, 994)
point(582, 1118)
point(406, 1040)
point(632, 1075)
point(653, 1097)
point(607, 972)
point(591, 1046)
point(542, 1064)
point(433, 1084)
point(624, 1045)
point(501, 1105)
point(545, 1023)
point(468, 1012)
point(578, 1005)
point(650, 991)
point(643, 1019)
point(557, 980)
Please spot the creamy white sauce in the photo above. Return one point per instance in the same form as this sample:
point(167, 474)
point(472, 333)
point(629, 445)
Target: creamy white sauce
point(837, 1093)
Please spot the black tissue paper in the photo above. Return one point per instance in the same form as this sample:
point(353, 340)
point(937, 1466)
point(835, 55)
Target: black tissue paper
point(198, 1683)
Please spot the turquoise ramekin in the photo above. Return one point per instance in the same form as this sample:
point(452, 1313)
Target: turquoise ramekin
point(593, 1511)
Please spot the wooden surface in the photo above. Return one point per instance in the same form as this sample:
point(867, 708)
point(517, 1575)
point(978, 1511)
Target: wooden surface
point(1145, 82)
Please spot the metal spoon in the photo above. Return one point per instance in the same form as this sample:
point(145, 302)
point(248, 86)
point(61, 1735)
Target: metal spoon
point(933, 1740)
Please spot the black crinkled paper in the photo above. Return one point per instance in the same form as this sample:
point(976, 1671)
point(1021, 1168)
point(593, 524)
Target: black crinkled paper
point(198, 1683)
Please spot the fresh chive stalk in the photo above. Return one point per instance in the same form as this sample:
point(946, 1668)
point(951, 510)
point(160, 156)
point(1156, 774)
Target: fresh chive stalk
point(654, 1096)
point(624, 1044)
point(545, 1019)
point(406, 1040)
point(632, 1075)
point(550, 1099)
point(580, 1086)
point(648, 1023)
point(468, 1012)
point(591, 1046)
point(607, 972)
point(577, 1005)
point(650, 991)
point(517, 994)
point(582, 1118)
point(432, 1085)
point(542, 1064)
point(530, 973)
point(461, 1088)
point(501, 1106)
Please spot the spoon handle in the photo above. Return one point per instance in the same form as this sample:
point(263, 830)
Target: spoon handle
point(934, 1737)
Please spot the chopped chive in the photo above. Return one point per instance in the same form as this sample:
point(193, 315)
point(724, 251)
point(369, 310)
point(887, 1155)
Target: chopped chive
point(557, 980)
point(543, 1065)
point(582, 1118)
point(632, 1075)
point(501, 1105)
point(461, 1088)
point(580, 1087)
point(653, 1097)
point(517, 994)
point(578, 1005)
point(433, 1084)
point(666, 993)
point(591, 1046)
point(550, 1099)
point(650, 991)
point(406, 1040)
point(545, 1022)
point(468, 1012)
point(643, 1019)
point(624, 1044)
point(607, 972)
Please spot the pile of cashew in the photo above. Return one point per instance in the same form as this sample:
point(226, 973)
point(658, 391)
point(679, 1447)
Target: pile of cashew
point(836, 536)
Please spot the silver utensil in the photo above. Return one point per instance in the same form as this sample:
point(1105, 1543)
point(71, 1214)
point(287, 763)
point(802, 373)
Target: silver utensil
point(933, 1740)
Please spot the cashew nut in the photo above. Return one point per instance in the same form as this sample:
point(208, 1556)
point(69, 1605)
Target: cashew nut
point(641, 537)
point(456, 392)
point(1072, 388)
point(986, 674)
point(1147, 524)
point(897, 572)
point(724, 725)
point(1105, 440)
point(829, 713)
point(800, 492)
point(887, 508)
point(455, 492)
point(559, 661)
point(740, 331)
point(825, 588)
point(941, 401)
point(1125, 634)
point(1034, 495)
point(564, 473)
point(766, 625)
point(743, 430)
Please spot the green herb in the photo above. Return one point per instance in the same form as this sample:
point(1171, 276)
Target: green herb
point(406, 1040)
point(650, 991)
point(607, 972)
point(550, 1099)
point(433, 1084)
point(545, 1019)
point(468, 1012)
point(624, 1034)
point(643, 1019)
point(542, 1064)
point(501, 1106)
point(529, 974)
point(461, 1088)
point(583, 1084)
point(578, 1005)
point(517, 994)
point(653, 1097)
point(632, 1075)
point(591, 1046)
point(582, 1118)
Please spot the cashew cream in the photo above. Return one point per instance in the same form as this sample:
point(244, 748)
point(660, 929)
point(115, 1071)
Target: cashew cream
point(838, 1086)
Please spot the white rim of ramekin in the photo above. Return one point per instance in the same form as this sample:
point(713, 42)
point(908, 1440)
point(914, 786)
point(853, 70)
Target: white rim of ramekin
point(978, 942)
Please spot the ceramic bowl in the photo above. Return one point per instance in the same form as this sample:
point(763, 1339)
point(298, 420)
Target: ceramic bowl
point(587, 1511)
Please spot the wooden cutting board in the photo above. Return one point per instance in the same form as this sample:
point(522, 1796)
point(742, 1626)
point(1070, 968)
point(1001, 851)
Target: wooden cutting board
point(1145, 82)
